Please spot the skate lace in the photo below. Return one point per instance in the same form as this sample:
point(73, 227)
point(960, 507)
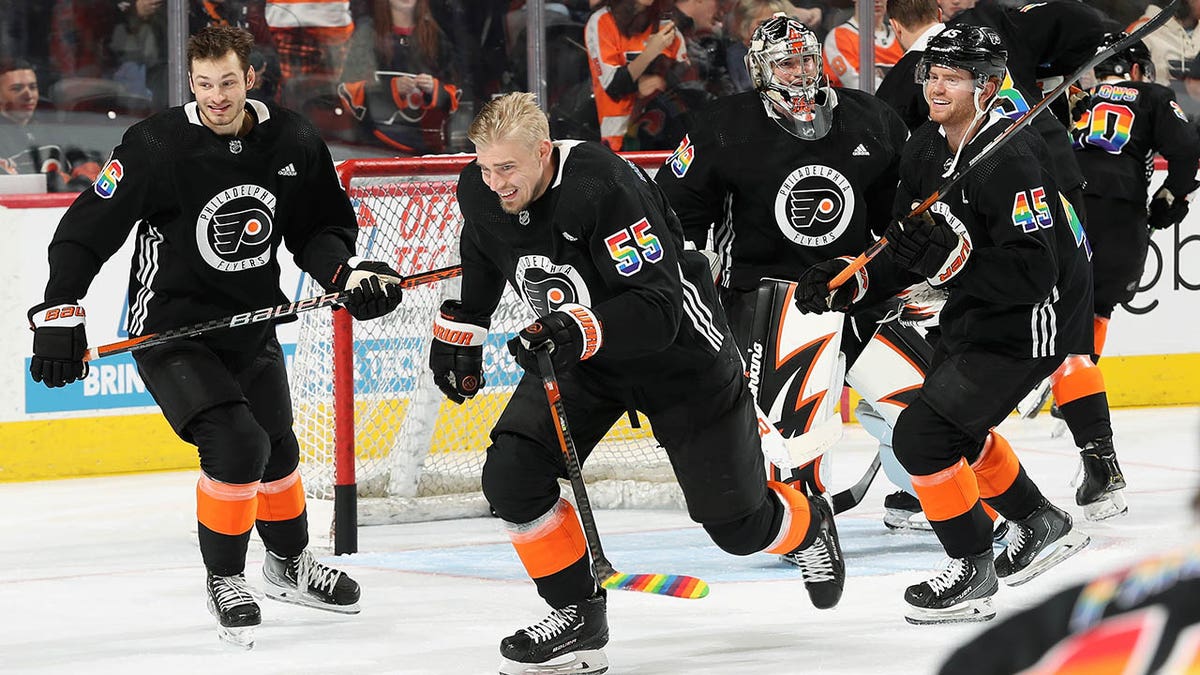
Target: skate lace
point(956, 571)
point(1016, 543)
point(231, 591)
point(815, 563)
point(310, 573)
point(559, 620)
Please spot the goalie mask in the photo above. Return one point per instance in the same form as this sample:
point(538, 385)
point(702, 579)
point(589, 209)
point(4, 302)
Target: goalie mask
point(975, 49)
point(785, 66)
point(1121, 63)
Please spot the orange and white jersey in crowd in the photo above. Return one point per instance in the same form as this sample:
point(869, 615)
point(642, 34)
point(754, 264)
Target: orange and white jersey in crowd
point(329, 19)
point(608, 52)
point(841, 54)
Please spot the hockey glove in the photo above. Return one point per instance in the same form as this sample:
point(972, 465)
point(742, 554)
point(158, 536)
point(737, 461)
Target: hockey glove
point(374, 287)
point(59, 343)
point(928, 246)
point(456, 354)
point(812, 289)
point(1166, 209)
point(572, 334)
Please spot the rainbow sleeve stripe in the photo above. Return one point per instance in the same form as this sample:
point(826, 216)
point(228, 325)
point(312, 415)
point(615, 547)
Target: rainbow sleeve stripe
point(675, 585)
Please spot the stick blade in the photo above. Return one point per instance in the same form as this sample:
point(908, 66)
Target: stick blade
point(674, 585)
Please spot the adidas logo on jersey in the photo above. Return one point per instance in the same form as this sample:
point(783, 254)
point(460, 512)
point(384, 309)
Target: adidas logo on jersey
point(289, 170)
point(861, 151)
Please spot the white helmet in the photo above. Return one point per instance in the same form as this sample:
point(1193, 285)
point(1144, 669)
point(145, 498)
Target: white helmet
point(786, 68)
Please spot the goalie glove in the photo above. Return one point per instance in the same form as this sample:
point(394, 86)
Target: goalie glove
point(456, 353)
point(572, 334)
point(374, 287)
point(1166, 209)
point(59, 343)
point(812, 289)
point(928, 246)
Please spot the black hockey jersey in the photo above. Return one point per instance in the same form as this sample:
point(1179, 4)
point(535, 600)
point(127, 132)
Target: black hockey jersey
point(601, 236)
point(210, 213)
point(1026, 290)
point(1140, 620)
point(778, 204)
point(1124, 124)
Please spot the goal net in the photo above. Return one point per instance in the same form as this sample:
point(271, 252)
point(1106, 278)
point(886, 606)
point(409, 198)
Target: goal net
point(416, 456)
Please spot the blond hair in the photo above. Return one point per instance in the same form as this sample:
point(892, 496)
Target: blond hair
point(514, 116)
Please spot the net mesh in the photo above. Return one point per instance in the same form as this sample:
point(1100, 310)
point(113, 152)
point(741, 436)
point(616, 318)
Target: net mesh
point(418, 456)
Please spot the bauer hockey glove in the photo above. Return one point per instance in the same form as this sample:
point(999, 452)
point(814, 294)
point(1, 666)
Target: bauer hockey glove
point(59, 343)
point(928, 246)
point(572, 334)
point(374, 287)
point(812, 289)
point(456, 354)
point(1166, 209)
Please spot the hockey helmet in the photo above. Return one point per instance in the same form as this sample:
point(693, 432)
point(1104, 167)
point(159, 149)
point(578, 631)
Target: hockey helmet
point(976, 49)
point(1121, 63)
point(786, 68)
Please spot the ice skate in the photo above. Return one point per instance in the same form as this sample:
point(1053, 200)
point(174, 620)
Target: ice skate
point(303, 580)
point(231, 600)
point(1035, 400)
point(1037, 543)
point(1060, 423)
point(821, 563)
point(1101, 485)
point(961, 593)
point(570, 641)
point(902, 511)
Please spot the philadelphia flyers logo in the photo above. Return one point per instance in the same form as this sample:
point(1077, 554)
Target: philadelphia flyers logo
point(547, 286)
point(235, 228)
point(814, 205)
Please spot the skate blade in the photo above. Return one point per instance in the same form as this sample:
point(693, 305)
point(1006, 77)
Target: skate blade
point(240, 637)
point(1064, 548)
point(582, 662)
point(971, 611)
point(1110, 505)
point(906, 520)
point(295, 597)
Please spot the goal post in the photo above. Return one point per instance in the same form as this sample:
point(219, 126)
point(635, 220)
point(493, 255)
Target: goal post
point(375, 433)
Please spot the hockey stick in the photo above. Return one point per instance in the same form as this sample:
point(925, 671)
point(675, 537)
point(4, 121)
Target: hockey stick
point(258, 315)
point(675, 585)
point(1023, 121)
point(853, 495)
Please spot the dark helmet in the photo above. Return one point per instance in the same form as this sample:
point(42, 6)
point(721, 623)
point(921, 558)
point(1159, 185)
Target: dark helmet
point(977, 49)
point(1122, 62)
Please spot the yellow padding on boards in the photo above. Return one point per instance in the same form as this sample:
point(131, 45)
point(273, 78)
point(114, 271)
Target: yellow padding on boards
point(948, 493)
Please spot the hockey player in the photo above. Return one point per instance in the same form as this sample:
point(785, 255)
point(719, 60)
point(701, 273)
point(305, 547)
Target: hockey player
point(791, 175)
point(1142, 619)
point(1126, 120)
point(631, 318)
point(214, 187)
point(1005, 246)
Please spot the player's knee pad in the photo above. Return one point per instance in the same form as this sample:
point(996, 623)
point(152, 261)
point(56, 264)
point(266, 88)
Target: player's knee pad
point(924, 441)
point(233, 448)
point(284, 457)
point(520, 479)
point(751, 533)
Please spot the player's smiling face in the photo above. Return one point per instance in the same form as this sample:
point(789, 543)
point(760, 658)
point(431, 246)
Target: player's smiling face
point(950, 93)
point(516, 172)
point(220, 87)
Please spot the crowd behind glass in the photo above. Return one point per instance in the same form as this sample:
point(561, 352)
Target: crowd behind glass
point(404, 77)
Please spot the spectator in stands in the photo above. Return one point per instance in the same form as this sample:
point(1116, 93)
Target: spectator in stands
point(697, 21)
point(138, 44)
point(251, 15)
point(951, 8)
point(632, 44)
point(744, 17)
point(841, 50)
point(79, 37)
point(311, 38)
point(1174, 44)
point(400, 83)
point(20, 149)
